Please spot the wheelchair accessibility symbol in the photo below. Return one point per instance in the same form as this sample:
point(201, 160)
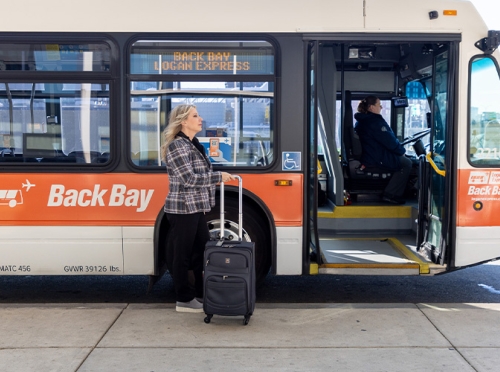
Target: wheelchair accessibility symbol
point(291, 160)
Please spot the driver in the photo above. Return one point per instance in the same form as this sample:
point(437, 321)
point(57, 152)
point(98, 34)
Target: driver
point(381, 148)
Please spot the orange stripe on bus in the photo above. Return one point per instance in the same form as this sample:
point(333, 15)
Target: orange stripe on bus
point(121, 199)
point(478, 200)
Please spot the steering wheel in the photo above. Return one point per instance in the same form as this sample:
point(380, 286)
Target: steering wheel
point(416, 136)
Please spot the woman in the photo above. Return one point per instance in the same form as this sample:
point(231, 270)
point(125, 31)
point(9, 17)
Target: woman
point(381, 148)
point(191, 194)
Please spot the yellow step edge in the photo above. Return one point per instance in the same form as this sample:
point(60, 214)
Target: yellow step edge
point(350, 211)
point(409, 265)
point(405, 251)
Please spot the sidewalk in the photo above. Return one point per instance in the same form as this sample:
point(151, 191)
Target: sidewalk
point(279, 337)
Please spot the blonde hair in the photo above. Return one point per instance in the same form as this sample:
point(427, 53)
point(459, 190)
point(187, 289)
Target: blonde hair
point(177, 116)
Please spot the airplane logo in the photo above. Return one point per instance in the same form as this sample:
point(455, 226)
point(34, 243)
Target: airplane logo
point(28, 185)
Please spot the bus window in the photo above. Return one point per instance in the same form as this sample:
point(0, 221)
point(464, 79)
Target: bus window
point(484, 111)
point(54, 123)
point(237, 113)
point(54, 57)
point(48, 116)
point(236, 126)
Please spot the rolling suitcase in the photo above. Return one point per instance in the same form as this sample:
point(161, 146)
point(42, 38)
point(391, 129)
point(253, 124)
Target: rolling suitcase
point(229, 271)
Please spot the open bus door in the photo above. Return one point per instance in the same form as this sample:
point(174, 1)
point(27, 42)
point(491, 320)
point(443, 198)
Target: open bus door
point(369, 236)
point(437, 170)
point(311, 168)
point(459, 225)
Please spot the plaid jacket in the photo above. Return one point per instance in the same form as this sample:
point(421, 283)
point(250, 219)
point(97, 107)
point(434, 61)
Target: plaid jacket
point(191, 179)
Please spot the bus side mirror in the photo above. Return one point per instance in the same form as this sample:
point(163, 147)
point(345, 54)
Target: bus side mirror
point(489, 44)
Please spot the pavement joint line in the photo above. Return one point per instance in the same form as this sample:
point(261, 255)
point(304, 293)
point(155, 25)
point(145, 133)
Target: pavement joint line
point(102, 336)
point(253, 347)
point(290, 347)
point(446, 338)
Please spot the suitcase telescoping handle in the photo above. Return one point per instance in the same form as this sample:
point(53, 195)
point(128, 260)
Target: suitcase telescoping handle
point(240, 207)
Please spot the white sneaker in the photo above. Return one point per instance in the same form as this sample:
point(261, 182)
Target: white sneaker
point(192, 306)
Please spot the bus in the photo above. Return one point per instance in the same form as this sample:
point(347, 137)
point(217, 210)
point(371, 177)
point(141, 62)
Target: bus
point(86, 88)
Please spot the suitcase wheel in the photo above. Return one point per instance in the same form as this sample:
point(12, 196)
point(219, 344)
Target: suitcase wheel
point(208, 318)
point(246, 320)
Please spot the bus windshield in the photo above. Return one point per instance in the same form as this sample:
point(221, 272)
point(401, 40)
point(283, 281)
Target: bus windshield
point(484, 130)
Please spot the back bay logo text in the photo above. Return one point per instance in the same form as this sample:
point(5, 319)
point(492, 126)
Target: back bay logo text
point(117, 197)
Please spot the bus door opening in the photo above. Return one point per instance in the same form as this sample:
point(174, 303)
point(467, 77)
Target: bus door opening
point(437, 169)
point(357, 229)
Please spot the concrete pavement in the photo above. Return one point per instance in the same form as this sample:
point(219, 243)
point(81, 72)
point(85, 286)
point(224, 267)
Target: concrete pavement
point(280, 337)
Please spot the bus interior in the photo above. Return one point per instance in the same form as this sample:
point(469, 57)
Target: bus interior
point(352, 230)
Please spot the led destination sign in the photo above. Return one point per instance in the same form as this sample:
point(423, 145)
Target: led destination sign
point(205, 61)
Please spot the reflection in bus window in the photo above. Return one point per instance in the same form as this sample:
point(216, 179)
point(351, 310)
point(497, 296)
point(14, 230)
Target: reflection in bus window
point(237, 130)
point(484, 130)
point(54, 123)
point(416, 113)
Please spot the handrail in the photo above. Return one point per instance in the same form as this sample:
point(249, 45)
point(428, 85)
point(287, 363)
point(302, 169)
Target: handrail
point(431, 162)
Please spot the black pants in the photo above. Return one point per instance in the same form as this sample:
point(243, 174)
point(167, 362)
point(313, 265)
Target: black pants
point(187, 236)
point(397, 184)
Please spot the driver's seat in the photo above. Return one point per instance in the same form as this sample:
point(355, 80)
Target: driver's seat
point(359, 179)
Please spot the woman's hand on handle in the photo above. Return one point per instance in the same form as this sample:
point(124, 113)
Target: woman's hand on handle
point(226, 177)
